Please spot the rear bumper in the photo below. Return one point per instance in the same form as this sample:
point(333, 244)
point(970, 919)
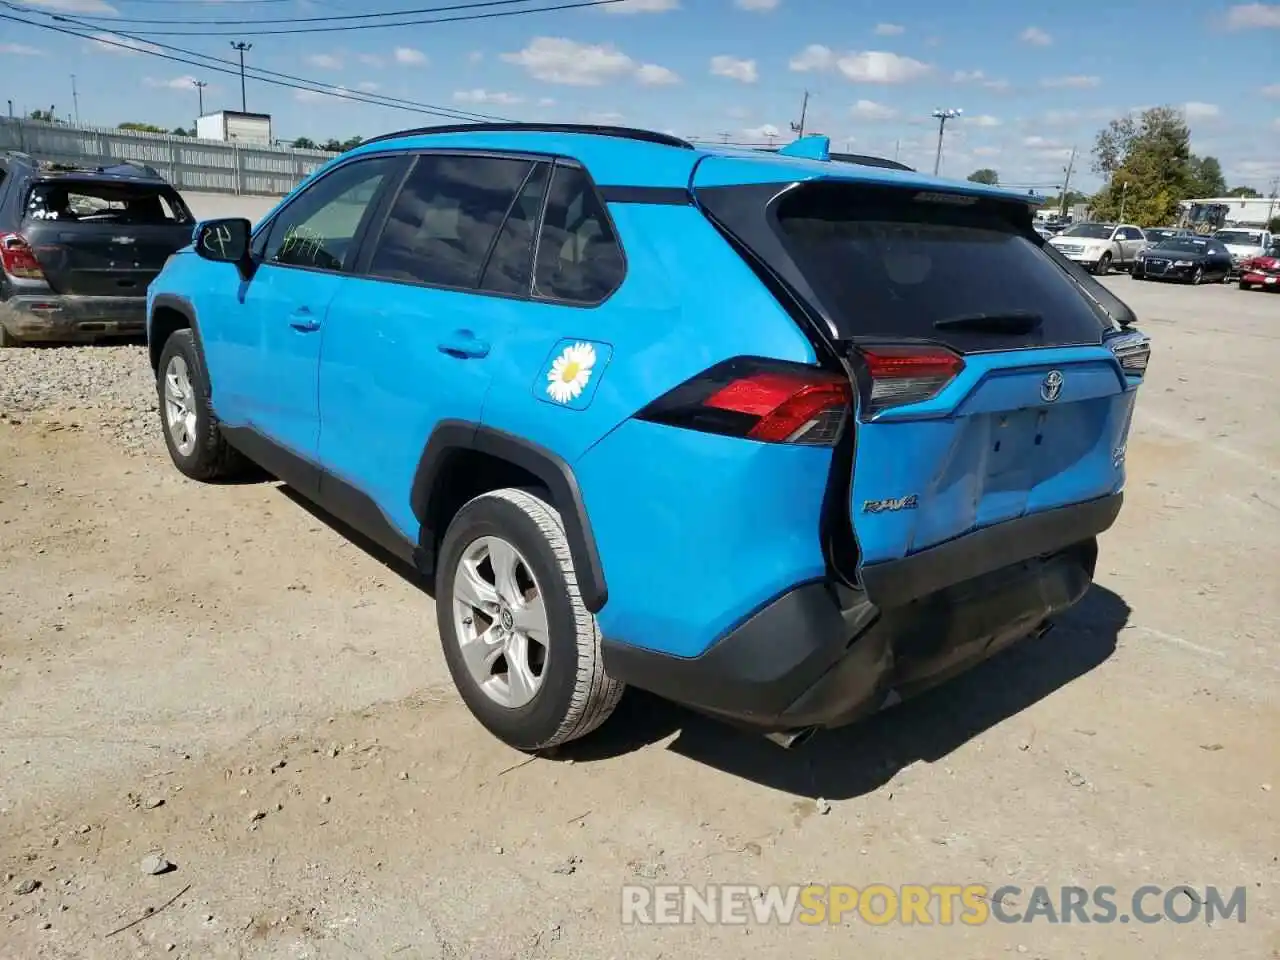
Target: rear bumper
point(825, 655)
point(71, 318)
point(1269, 280)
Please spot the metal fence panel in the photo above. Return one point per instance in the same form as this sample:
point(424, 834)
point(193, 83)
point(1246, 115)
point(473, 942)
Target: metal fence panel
point(209, 166)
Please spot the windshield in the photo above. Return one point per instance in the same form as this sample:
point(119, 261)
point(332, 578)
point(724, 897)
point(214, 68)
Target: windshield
point(88, 201)
point(1242, 238)
point(1156, 235)
point(1090, 231)
point(1182, 245)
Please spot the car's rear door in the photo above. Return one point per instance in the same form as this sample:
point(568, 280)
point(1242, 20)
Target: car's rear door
point(103, 237)
point(986, 392)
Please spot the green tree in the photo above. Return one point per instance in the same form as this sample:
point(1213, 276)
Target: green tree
point(304, 143)
point(352, 143)
point(985, 175)
point(1208, 179)
point(141, 127)
point(332, 146)
point(1245, 193)
point(182, 132)
point(45, 116)
point(1148, 164)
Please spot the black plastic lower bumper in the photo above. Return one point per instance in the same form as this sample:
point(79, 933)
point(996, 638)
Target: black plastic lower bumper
point(67, 318)
point(824, 655)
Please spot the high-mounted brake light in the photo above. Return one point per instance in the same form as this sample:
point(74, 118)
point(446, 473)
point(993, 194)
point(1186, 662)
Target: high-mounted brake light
point(907, 374)
point(17, 258)
point(765, 400)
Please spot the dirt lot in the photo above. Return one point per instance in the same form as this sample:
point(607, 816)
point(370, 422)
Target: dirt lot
point(218, 675)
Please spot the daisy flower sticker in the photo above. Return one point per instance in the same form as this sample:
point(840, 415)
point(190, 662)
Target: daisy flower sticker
point(571, 372)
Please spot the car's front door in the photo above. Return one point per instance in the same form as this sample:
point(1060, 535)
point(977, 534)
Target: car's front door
point(409, 336)
point(1131, 241)
point(265, 351)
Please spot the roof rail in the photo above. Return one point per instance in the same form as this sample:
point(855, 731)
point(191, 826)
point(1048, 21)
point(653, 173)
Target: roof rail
point(623, 133)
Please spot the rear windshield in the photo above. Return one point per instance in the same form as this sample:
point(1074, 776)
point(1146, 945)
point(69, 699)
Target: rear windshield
point(1242, 238)
point(895, 266)
point(72, 201)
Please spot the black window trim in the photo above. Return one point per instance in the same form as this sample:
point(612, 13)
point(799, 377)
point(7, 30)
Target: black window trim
point(360, 267)
point(392, 181)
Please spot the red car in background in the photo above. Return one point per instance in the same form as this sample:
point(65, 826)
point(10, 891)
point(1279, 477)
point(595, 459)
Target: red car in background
point(1263, 271)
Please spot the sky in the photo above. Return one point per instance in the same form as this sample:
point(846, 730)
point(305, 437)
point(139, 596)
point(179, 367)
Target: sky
point(1032, 84)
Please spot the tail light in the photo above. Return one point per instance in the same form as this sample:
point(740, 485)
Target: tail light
point(18, 259)
point(765, 400)
point(1133, 350)
point(902, 374)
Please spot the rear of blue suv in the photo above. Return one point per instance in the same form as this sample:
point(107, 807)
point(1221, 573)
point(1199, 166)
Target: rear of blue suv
point(772, 436)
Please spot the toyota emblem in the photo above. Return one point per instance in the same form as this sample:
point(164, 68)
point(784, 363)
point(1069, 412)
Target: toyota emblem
point(1051, 386)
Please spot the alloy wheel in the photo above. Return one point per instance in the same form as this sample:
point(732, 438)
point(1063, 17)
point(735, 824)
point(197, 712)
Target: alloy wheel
point(180, 406)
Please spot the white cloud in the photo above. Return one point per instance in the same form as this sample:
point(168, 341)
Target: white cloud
point(559, 60)
point(410, 57)
point(1036, 37)
point(870, 110)
point(1041, 143)
point(1251, 15)
point(184, 83)
point(20, 50)
point(653, 75)
point(889, 29)
point(983, 120)
point(764, 132)
point(1194, 110)
point(757, 4)
point(744, 71)
point(371, 60)
point(325, 61)
point(110, 43)
point(1000, 86)
point(878, 66)
point(813, 57)
point(546, 102)
point(1077, 82)
point(968, 76)
point(986, 151)
point(72, 6)
point(487, 96)
point(641, 6)
point(1271, 91)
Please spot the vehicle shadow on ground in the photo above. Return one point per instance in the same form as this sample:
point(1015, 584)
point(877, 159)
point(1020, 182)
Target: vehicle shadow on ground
point(859, 759)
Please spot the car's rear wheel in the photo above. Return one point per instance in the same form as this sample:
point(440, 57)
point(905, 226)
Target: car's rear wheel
point(191, 432)
point(1104, 265)
point(1197, 276)
point(523, 650)
point(1243, 285)
point(6, 338)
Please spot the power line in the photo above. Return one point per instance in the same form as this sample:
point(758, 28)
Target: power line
point(168, 21)
point(341, 28)
point(314, 86)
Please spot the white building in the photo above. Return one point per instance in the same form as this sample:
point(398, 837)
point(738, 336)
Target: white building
point(1241, 212)
point(232, 125)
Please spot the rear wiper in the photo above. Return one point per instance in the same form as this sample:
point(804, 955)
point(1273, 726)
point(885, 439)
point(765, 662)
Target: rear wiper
point(1016, 322)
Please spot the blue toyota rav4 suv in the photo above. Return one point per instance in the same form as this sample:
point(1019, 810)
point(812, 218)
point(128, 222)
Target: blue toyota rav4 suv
point(770, 435)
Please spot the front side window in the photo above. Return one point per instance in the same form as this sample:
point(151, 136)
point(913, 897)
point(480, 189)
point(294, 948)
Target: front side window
point(579, 259)
point(444, 222)
point(316, 230)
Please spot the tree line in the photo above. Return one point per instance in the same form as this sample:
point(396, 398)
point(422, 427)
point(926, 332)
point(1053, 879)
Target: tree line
point(1147, 165)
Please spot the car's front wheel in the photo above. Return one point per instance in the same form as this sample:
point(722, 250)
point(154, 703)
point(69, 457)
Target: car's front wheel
point(1197, 276)
point(1243, 285)
point(1104, 265)
point(523, 650)
point(191, 432)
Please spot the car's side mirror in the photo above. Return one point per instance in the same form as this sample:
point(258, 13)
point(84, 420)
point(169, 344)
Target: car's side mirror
point(226, 241)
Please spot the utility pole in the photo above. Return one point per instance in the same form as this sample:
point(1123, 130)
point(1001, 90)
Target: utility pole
point(200, 85)
point(1124, 196)
point(75, 99)
point(942, 116)
point(798, 128)
point(1271, 207)
point(1066, 184)
point(724, 137)
point(240, 47)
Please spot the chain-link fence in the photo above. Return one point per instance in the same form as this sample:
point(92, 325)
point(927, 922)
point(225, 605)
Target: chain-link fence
point(189, 164)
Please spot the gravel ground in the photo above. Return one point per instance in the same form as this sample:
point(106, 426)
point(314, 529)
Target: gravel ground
point(111, 387)
point(216, 676)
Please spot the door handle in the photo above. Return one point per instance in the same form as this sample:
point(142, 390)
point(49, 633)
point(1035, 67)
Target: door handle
point(464, 345)
point(304, 320)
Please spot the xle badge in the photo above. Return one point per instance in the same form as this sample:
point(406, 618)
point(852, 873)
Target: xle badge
point(890, 506)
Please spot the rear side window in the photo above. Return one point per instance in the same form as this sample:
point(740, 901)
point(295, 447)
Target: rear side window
point(510, 266)
point(71, 201)
point(579, 259)
point(888, 265)
point(446, 218)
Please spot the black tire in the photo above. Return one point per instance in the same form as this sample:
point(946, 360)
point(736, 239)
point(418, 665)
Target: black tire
point(1197, 276)
point(1104, 265)
point(212, 458)
point(1243, 285)
point(7, 339)
point(575, 695)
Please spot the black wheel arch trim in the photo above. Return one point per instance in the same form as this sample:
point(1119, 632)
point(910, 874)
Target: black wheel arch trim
point(552, 470)
point(180, 304)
